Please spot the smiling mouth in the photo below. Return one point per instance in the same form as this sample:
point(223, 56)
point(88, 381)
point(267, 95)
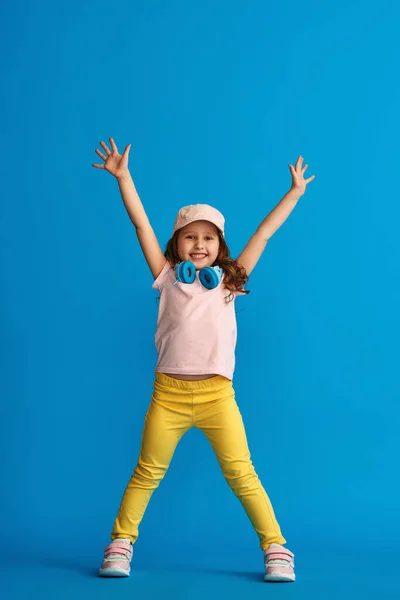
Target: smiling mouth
point(198, 256)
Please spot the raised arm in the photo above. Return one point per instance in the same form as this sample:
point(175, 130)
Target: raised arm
point(117, 165)
point(253, 250)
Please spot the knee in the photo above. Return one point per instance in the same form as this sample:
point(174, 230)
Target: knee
point(147, 475)
point(240, 475)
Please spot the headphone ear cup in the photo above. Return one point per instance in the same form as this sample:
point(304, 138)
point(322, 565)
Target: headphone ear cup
point(210, 277)
point(185, 272)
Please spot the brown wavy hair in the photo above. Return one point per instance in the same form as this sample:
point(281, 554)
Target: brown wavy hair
point(235, 275)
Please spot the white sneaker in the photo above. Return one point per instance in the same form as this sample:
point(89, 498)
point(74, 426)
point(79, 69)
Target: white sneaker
point(117, 559)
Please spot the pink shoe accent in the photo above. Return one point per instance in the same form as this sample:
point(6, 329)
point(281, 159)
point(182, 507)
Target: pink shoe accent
point(279, 564)
point(117, 558)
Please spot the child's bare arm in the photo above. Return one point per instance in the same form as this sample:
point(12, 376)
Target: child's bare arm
point(117, 165)
point(144, 231)
point(256, 245)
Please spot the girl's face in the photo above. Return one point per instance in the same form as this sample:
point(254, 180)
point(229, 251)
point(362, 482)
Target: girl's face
point(199, 243)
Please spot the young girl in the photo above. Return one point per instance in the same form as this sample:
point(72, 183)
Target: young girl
point(195, 339)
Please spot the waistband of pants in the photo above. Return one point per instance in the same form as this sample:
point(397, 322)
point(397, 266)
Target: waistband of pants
point(218, 381)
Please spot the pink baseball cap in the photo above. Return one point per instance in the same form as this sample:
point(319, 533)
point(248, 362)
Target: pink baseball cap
point(199, 212)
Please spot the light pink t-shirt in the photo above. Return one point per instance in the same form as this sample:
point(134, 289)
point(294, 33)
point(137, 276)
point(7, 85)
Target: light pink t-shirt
point(196, 329)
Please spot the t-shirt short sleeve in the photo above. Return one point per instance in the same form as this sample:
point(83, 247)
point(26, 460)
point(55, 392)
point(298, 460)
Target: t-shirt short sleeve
point(159, 280)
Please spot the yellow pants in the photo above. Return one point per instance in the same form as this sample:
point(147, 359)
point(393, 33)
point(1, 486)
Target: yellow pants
point(209, 405)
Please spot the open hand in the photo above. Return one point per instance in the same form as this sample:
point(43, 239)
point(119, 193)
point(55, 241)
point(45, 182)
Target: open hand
point(114, 163)
point(298, 182)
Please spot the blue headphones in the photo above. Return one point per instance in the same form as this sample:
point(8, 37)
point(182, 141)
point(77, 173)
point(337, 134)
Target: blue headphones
point(185, 272)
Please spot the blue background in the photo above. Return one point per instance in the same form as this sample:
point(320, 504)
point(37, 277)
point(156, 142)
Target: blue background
point(216, 98)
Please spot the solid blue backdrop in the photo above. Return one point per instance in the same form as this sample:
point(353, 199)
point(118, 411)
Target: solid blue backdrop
point(216, 98)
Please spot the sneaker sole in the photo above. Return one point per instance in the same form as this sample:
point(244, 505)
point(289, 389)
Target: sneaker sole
point(113, 572)
point(280, 577)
